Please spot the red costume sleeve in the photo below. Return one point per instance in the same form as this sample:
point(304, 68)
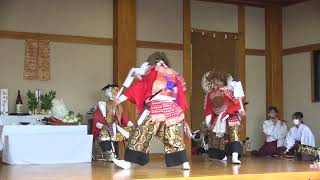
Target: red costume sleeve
point(141, 90)
point(229, 94)
point(234, 107)
point(234, 104)
point(97, 118)
point(207, 105)
point(182, 102)
point(132, 92)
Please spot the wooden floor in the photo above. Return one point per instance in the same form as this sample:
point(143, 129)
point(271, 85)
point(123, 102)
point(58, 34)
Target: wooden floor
point(251, 168)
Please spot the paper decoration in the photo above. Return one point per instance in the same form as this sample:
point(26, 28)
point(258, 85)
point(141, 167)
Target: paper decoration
point(31, 60)
point(43, 60)
point(36, 64)
point(4, 102)
point(238, 90)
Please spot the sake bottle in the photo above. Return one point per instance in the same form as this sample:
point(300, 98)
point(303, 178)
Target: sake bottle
point(19, 103)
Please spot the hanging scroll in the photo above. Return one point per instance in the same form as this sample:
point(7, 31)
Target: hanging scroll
point(31, 60)
point(43, 60)
point(36, 63)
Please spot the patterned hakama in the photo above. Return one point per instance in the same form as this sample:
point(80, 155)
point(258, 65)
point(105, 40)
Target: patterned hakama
point(140, 139)
point(166, 112)
point(221, 103)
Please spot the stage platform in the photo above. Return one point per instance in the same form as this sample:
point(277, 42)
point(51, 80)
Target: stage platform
point(251, 169)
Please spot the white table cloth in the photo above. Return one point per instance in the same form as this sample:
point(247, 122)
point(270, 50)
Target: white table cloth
point(44, 144)
point(8, 130)
point(8, 119)
point(47, 149)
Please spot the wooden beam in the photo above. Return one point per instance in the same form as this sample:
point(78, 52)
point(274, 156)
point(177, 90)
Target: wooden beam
point(239, 2)
point(256, 52)
point(274, 64)
point(242, 60)
point(159, 45)
point(242, 49)
point(292, 2)
point(84, 40)
point(301, 49)
point(258, 3)
point(221, 32)
point(124, 47)
point(187, 62)
point(55, 38)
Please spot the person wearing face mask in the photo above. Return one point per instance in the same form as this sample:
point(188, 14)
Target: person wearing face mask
point(275, 131)
point(110, 124)
point(299, 134)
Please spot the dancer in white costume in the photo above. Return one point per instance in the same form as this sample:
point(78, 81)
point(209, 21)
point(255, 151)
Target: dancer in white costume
point(299, 134)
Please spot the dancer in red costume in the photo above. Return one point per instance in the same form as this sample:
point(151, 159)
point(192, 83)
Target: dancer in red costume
point(159, 96)
point(110, 124)
point(223, 108)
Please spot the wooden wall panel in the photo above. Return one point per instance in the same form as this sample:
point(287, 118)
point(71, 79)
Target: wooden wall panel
point(187, 61)
point(124, 47)
point(242, 60)
point(274, 70)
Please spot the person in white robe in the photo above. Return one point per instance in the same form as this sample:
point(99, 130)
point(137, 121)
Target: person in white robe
point(275, 131)
point(298, 134)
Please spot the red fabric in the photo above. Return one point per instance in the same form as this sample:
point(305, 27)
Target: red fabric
point(142, 89)
point(231, 107)
point(166, 111)
point(194, 150)
point(268, 149)
point(181, 98)
point(234, 107)
point(207, 105)
point(98, 118)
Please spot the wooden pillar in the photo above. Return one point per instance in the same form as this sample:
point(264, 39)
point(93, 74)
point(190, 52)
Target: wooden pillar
point(187, 62)
point(242, 60)
point(124, 47)
point(274, 71)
